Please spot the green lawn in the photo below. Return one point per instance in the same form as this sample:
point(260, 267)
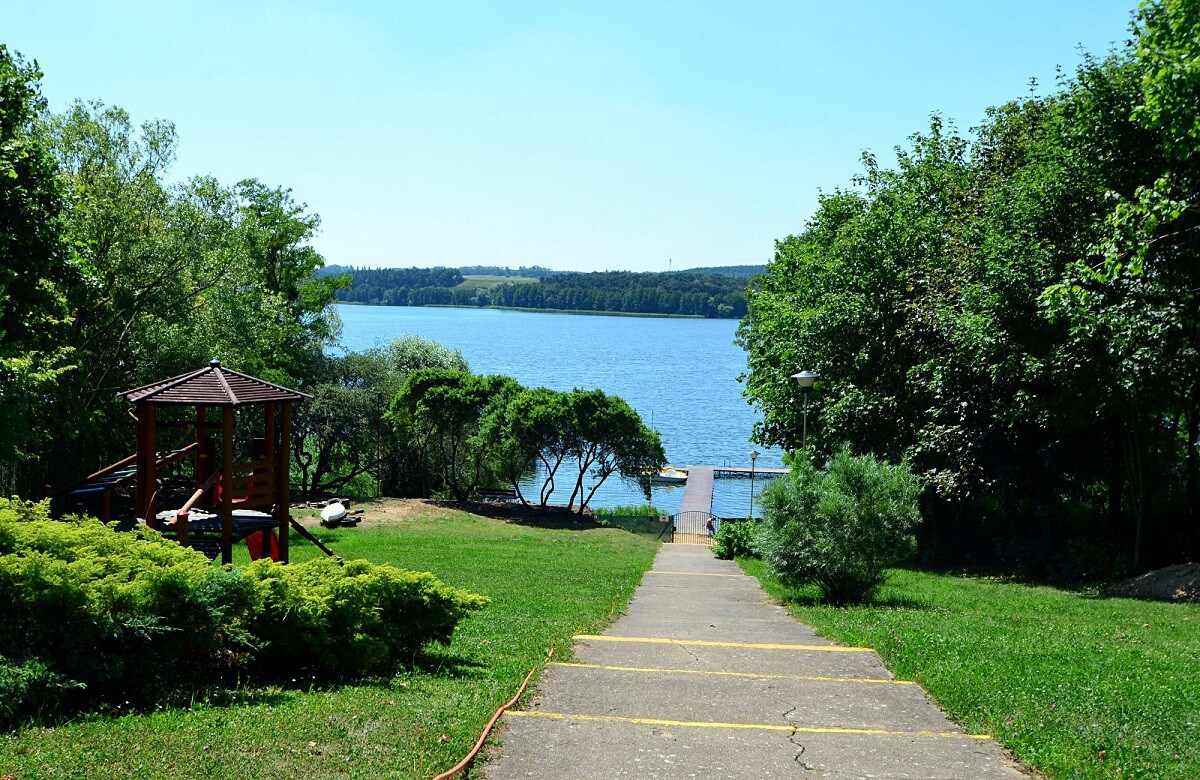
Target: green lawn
point(545, 586)
point(1075, 686)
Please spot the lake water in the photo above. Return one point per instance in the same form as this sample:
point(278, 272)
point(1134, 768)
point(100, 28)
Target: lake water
point(680, 374)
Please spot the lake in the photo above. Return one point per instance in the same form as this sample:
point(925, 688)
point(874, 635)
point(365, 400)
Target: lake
point(680, 374)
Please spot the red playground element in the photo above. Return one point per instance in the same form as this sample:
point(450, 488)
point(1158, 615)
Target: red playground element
point(263, 544)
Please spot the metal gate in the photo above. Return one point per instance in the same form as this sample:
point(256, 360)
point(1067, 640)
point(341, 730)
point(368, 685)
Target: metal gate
point(694, 527)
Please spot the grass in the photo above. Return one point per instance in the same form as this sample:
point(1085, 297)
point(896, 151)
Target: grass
point(545, 585)
point(476, 281)
point(1074, 685)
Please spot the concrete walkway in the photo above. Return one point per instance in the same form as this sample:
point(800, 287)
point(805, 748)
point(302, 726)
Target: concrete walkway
point(703, 678)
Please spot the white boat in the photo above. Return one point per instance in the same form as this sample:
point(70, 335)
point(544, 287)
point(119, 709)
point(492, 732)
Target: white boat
point(670, 476)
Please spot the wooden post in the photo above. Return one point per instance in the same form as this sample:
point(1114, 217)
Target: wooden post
point(139, 463)
point(226, 485)
point(201, 455)
point(148, 450)
point(283, 474)
point(269, 427)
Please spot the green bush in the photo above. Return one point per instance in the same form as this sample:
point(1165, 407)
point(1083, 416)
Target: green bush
point(347, 619)
point(95, 615)
point(736, 538)
point(840, 528)
point(124, 616)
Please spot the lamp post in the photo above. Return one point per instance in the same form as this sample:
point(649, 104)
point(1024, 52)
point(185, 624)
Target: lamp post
point(806, 379)
point(753, 457)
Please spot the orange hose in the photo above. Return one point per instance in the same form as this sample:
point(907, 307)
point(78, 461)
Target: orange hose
point(461, 765)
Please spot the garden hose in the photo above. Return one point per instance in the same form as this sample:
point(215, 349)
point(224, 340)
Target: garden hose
point(461, 765)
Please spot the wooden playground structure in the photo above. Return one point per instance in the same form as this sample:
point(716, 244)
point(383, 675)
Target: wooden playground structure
point(230, 500)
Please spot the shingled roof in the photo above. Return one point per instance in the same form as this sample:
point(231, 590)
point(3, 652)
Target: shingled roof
point(213, 385)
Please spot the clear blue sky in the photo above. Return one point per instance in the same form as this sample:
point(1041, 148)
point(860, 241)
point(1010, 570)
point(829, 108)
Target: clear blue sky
point(575, 135)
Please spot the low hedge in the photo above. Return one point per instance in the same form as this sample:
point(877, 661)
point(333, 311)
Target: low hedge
point(95, 615)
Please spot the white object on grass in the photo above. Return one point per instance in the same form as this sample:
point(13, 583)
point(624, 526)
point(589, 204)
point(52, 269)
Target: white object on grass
point(333, 512)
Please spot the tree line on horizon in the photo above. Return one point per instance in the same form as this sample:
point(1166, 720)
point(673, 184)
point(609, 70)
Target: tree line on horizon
point(626, 292)
point(1016, 313)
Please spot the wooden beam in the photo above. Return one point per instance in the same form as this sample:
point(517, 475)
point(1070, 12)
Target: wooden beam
point(226, 481)
point(198, 475)
point(148, 417)
point(283, 474)
point(269, 428)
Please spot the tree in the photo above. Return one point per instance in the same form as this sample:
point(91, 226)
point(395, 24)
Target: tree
point(1014, 314)
point(537, 423)
point(443, 411)
point(606, 436)
point(169, 276)
point(343, 435)
point(34, 272)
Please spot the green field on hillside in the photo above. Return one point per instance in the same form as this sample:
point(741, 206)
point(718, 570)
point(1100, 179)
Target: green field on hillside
point(487, 282)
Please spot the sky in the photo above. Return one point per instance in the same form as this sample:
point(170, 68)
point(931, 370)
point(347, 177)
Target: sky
point(579, 136)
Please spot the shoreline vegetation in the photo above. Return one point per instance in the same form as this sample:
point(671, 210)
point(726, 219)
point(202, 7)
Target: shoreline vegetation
point(710, 294)
point(584, 312)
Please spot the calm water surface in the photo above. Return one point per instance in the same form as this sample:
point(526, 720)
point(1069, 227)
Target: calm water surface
point(680, 374)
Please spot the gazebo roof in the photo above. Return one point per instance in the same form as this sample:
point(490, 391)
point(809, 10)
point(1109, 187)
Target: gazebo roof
point(213, 385)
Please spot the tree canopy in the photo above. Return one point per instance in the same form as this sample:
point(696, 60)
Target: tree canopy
point(1014, 311)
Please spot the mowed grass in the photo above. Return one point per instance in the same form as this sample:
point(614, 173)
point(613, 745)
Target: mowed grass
point(485, 281)
point(1074, 685)
point(545, 586)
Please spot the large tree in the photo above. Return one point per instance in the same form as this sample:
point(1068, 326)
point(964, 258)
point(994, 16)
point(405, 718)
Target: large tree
point(34, 272)
point(1016, 314)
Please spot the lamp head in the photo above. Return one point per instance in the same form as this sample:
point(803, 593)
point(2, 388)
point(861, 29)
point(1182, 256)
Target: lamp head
point(753, 455)
point(805, 379)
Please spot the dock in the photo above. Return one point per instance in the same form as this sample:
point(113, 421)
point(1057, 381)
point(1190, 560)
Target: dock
point(698, 491)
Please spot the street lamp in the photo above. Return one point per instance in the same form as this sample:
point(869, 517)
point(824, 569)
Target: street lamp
point(753, 457)
point(806, 379)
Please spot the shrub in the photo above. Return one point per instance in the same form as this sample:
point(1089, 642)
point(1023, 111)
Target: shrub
point(841, 528)
point(347, 619)
point(95, 613)
point(736, 538)
point(92, 614)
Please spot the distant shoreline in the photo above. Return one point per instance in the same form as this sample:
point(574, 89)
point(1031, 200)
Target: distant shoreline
point(584, 312)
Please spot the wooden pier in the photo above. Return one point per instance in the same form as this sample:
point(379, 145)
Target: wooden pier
point(691, 522)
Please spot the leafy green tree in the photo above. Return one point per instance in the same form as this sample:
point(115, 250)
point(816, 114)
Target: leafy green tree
point(34, 272)
point(536, 424)
point(443, 412)
point(170, 276)
point(1014, 314)
point(606, 436)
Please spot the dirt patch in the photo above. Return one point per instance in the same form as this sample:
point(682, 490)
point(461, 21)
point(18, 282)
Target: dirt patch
point(1180, 582)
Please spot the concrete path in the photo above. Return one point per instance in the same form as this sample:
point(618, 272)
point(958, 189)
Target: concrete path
point(703, 678)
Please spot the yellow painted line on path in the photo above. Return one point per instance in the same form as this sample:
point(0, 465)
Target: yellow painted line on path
point(707, 643)
point(735, 674)
point(752, 726)
point(697, 573)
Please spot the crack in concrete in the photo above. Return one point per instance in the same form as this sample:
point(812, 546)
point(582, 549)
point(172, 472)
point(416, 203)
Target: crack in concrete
point(799, 748)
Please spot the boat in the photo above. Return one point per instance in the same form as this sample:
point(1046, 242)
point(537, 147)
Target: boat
point(669, 476)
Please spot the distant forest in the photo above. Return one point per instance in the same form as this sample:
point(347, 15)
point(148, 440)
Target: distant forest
point(737, 271)
point(677, 294)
